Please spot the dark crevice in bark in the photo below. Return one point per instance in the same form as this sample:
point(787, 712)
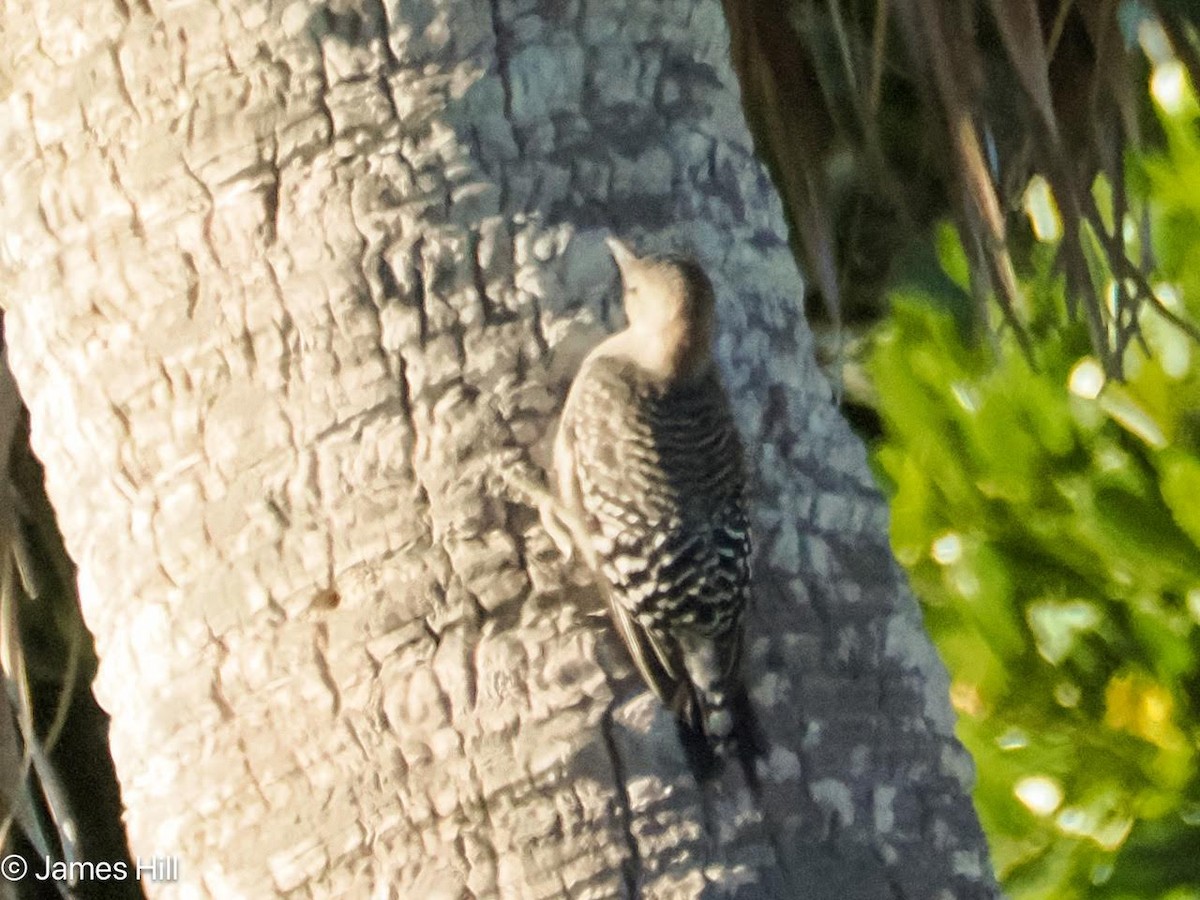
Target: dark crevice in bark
point(391, 62)
point(432, 633)
point(419, 298)
point(631, 865)
point(322, 95)
point(502, 56)
point(539, 331)
point(271, 197)
point(406, 400)
point(193, 282)
point(389, 287)
point(217, 691)
point(490, 309)
point(320, 646)
point(385, 88)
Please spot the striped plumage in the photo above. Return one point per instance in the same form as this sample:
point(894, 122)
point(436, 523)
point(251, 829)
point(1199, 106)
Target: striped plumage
point(649, 461)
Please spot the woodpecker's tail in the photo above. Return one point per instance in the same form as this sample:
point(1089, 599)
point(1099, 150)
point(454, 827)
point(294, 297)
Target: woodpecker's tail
point(716, 719)
point(717, 726)
point(696, 675)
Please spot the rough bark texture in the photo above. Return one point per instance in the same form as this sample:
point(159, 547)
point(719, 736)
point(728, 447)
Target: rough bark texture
point(286, 283)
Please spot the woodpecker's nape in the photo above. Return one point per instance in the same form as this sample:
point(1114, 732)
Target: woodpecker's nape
point(649, 462)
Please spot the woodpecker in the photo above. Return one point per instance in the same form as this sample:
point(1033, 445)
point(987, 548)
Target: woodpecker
point(648, 464)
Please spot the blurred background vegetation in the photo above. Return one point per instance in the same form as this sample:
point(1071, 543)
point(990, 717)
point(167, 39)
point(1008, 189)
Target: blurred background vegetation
point(998, 204)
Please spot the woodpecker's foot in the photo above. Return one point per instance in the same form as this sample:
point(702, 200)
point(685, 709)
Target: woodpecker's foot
point(557, 527)
point(559, 524)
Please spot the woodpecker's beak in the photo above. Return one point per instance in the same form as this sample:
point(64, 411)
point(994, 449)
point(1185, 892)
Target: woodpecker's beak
point(622, 255)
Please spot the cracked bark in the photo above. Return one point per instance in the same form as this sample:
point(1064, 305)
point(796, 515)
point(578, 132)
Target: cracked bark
point(283, 290)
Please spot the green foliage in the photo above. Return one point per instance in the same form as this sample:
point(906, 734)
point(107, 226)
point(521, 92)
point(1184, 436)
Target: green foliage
point(1050, 522)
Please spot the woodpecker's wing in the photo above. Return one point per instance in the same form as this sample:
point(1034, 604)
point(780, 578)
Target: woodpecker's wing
point(659, 668)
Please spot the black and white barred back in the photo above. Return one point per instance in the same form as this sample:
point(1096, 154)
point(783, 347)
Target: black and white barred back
point(661, 484)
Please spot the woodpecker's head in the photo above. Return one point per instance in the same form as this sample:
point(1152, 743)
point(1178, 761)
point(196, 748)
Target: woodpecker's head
point(671, 310)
